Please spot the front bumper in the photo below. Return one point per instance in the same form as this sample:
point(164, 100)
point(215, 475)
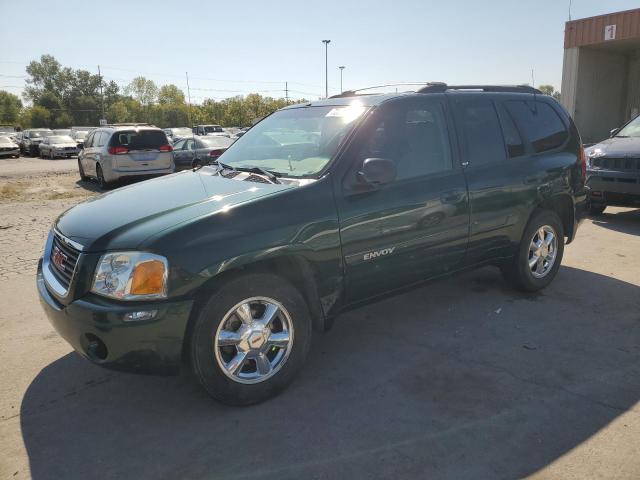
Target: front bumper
point(5, 153)
point(614, 188)
point(96, 328)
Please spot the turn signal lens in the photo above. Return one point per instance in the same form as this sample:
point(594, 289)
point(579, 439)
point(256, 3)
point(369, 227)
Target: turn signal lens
point(148, 278)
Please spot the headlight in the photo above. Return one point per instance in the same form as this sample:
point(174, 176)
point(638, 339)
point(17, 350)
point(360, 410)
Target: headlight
point(131, 276)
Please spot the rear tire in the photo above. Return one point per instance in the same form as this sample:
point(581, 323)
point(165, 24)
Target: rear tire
point(102, 183)
point(83, 176)
point(262, 368)
point(596, 210)
point(536, 265)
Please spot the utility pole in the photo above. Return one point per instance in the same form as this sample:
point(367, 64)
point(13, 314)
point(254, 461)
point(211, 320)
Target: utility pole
point(101, 94)
point(341, 67)
point(326, 67)
point(286, 92)
point(189, 97)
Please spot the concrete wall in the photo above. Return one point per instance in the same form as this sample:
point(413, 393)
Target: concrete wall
point(601, 91)
point(570, 79)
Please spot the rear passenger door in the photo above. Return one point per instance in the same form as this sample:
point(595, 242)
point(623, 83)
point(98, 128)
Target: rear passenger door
point(88, 164)
point(493, 179)
point(415, 227)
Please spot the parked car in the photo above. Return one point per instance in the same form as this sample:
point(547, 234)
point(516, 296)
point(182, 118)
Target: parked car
point(318, 208)
point(31, 140)
point(209, 130)
point(613, 169)
point(58, 146)
point(114, 152)
point(78, 136)
point(198, 151)
point(175, 134)
point(9, 148)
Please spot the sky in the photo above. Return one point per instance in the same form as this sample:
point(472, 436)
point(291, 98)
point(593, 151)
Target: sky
point(231, 48)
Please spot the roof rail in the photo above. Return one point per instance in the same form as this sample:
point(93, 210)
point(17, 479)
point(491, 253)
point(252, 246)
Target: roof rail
point(353, 93)
point(126, 125)
point(443, 87)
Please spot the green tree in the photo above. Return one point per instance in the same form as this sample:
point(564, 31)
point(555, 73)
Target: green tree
point(170, 94)
point(35, 117)
point(10, 106)
point(549, 90)
point(143, 90)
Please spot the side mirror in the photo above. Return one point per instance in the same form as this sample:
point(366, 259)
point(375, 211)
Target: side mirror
point(377, 171)
point(613, 132)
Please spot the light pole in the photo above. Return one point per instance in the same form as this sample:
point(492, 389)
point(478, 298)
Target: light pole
point(341, 67)
point(326, 67)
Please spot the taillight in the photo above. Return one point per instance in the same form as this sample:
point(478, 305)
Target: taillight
point(118, 150)
point(216, 153)
point(166, 148)
point(583, 163)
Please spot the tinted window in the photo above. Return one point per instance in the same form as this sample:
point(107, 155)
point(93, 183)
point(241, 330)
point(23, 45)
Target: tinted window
point(481, 130)
point(413, 135)
point(512, 138)
point(139, 140)
point(540, 124)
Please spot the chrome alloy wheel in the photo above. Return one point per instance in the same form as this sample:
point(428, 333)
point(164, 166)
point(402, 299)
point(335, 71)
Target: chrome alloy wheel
point(542, 251)
point(254, 340)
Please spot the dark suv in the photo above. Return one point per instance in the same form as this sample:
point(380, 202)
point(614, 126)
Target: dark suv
point(613, 169)
point(318, 208)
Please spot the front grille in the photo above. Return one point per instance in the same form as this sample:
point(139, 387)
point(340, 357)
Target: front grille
point(618, 164)
point(63, 260)
point(69, 148)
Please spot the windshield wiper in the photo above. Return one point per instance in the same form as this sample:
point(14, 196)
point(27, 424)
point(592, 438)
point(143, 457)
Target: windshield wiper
point(273, 176)
point(222, 166)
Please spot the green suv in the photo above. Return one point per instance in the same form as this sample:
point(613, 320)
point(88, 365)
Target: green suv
point(318, 208)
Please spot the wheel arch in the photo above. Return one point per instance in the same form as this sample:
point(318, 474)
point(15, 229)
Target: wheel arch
point(294, 268)
point(563, 206)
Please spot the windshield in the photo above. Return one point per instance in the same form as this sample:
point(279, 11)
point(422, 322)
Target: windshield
point(631, 130)
point(182, 131)
point(296, 142)
point(213, 129)
point(221, 142)
point(60, 139)
point(40, 134)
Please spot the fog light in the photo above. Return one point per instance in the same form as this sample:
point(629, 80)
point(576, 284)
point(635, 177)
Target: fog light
point(140, 316)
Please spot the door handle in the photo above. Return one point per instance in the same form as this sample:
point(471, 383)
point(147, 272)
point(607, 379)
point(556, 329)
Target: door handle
point(451, 197)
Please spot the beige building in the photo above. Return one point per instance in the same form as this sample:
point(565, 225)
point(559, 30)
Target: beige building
point(601, 72)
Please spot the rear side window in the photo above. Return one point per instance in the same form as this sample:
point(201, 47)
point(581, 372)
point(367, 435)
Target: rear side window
point(481, 130)
point(139, 140)
point(100, 139)
point(89, 141)
point(512, 138)
point(540, 123)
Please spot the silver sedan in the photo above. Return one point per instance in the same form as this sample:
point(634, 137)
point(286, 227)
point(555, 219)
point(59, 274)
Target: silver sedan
point(58, 146)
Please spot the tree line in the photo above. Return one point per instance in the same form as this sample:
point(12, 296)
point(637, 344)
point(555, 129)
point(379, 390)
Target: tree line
point(60, 96)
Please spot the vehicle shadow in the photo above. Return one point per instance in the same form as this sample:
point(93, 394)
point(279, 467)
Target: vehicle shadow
point(89, 185)
point(462, 378)
point(627, 221)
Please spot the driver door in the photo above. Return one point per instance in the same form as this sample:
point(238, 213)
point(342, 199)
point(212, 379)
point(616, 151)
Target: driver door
point(416, 226)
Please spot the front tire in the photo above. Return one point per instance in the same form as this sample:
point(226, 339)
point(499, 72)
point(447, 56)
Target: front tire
point(596, 209)
point(250, 339)
point(539, 254)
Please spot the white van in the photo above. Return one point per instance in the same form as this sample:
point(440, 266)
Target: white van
point(116, 151)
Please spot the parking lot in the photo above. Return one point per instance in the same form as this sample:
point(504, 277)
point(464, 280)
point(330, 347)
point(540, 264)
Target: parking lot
point(462, 378)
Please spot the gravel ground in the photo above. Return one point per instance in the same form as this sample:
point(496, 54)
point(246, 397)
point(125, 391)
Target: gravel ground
point(462, 378)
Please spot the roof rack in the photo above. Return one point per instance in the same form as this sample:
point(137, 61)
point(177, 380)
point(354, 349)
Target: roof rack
point(353, 93)
point(436, 87)
point(126, 125)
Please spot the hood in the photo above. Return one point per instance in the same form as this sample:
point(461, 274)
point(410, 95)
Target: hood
point(126, 217)
point(617, 147)
point(65, 144)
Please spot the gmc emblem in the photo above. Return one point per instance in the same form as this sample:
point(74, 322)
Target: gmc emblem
point(58, 258)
